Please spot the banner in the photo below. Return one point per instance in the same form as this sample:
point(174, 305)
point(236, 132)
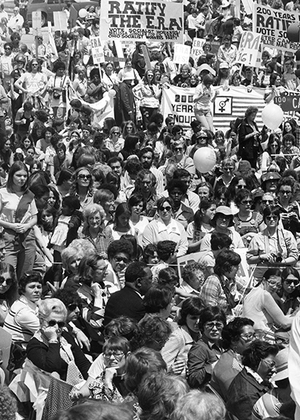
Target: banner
point(248, 52)
point(288, 101)
point(154, 20)
point(228, 106)
point(272, 25)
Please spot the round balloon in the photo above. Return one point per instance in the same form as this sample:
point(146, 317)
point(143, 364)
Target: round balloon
point(205, 159)
point(111, 93)
point(272, 116)
point(293, 32)
point(82, 13)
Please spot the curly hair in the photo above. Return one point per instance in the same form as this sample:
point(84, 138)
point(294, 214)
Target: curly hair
point(256, 352)
point(152, 332)
point(199, 405)
point(233, 330)
point(225, 260)
point(121, 326)
point(8, 404)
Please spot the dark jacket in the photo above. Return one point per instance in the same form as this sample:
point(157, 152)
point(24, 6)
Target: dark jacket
point(243, 393)
point(48, 357)
point(248, 148)
point(125, 302)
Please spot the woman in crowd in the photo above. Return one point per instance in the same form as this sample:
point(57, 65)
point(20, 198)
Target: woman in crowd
point(260, 306)
point(57, 87)
point(18, 216)
point(237, 335)
point(136, 206)
point(175, 351)
point(93, 228)
point(82, 186)
point(52, 349)
point(106, 375)
point(204, 354)
point(150, 93)
point(32, 83)
point(290, 213)
point(203, 97)
point(273, 149)
point(109, 77)
point(246, 222)
point(145, 185)
point(22, 320)
point(274, 244)
point(253, 381)
point(197, 229)
point(249, 137)
point(165, 227)
point(287, 297)
point(115, 143)
point(106, 199)
point(8, 289)
point(219, 288)
point(122, 225)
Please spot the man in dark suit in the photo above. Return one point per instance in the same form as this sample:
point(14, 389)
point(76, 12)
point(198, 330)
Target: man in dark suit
point(129, 300)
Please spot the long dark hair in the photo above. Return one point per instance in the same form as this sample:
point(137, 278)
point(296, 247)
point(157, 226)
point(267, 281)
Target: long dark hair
point(17, 166)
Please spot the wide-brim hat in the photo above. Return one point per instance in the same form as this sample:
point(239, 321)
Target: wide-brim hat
point(226, 211)
point(281, 360)
point(268, 176)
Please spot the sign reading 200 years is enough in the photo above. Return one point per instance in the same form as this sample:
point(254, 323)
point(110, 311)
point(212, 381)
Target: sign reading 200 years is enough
point(272, 25)
point(138, 20)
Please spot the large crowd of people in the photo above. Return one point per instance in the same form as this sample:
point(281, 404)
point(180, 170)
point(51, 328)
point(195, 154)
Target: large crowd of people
point(132, 284)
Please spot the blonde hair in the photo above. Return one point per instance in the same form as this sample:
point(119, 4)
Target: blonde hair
point(52, 306)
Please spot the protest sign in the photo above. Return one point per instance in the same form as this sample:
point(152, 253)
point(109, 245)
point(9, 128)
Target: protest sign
point(272, 25)
point(97, 50)
point(60, 21)
point(154, 20)
point(288, 101)
point(181, 54)
point(37, 22)
point(197, 48)
point(248, 52)
point(178, 102)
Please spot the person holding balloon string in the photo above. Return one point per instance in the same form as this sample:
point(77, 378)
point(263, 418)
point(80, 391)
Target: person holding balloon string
point(204, 96)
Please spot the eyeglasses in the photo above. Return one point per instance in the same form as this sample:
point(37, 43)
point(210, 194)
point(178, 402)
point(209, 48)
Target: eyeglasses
point(52, 323)
point(116, 133)
point(115, 354)
point(7, 48)
point(270, 363)
point(178, 149)
point(34, 64)
point(267, 201)
point(202, 137)
point(211, 325)
point(240, 186)
point(246, 202)
point(272, 217)
point(73, 306)
point(120, 259)
point(84, 176)
point(168, 208)
point(2, 279)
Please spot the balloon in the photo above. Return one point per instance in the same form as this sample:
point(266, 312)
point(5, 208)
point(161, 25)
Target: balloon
point(111, 93)
point(293, 32)
point(205, 159)
point(272, 116)
point(82, 13)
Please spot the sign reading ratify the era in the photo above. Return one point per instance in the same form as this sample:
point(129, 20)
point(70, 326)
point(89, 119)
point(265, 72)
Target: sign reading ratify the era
point(140, 20)
point(272, 25)
point(97, 50)
point(288, 101)
point(249, 49)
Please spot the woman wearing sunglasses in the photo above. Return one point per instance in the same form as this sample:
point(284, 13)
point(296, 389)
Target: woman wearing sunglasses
point(274, 245)
point(287, 297)
point(82, 186)
point(165, 227)
point(52, 348)
point(8, 289)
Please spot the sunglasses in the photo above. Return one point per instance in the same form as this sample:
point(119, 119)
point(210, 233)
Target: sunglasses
point(3, 280)
point(290, 281)
point(271, 218)
point(240, 186)
point(73, 306)
point(52, 323)
point(168, 208)
point(285, 192)
point(247, 202)
point(84, 176)
point(120, 259)
point(178, 149)
point(116, 133)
